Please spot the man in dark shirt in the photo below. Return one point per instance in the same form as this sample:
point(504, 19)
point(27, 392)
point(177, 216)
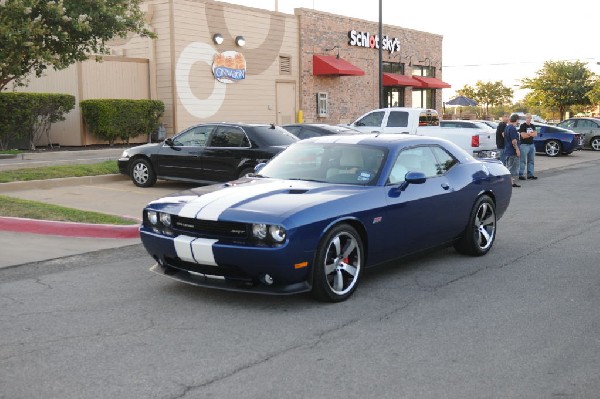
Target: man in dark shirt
point(512, 152)
point(500, 136)
point(527, 132)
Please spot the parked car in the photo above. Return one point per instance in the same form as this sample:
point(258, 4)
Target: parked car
point(307, 130)
point(554, 140)
point(491, 124)
point(589, 128)
point(325, 209)
point(206, 153)
point(471, 124)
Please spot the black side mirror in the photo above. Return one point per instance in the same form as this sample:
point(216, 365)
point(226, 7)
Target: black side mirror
point(171, 144)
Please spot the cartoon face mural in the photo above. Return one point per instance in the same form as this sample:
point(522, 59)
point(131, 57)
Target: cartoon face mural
point(256, 60)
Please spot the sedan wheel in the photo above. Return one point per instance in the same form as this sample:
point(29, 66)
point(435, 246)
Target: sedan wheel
point(142, 173)
point(338, 264)
point(595, 143)
point(552, 148)
point(480, 234)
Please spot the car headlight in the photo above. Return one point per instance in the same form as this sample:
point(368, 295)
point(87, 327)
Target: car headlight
point(152, 218)
point(125, 154)
point(277, 233)
point(165, 219)
point(259, 231)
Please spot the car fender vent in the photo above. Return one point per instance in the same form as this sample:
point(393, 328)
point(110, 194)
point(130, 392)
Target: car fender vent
point(297, 191)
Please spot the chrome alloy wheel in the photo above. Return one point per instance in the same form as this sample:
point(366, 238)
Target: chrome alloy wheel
point(485, 226)
point(595, 144)
point(342, 263)
point(140, 173)
point(553, 148)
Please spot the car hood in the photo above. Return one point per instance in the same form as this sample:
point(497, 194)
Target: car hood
point(150, 148)
point(261, 200)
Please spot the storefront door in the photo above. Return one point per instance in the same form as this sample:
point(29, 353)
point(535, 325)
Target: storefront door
point(286, 102)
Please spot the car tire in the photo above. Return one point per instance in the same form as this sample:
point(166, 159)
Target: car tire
point(480, 234)
point(245, 171)
point(552, 148)
point(141, 173)
point(338, 264)
point(595, 143)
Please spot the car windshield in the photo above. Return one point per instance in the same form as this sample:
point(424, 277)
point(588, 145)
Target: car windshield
point(328, 163)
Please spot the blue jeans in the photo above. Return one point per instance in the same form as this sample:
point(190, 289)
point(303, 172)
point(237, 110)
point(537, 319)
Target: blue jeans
point(527, 157)
point(501, 157)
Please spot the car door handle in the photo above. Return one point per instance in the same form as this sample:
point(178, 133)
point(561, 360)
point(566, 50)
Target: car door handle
point(445, 186)
point(375, 131)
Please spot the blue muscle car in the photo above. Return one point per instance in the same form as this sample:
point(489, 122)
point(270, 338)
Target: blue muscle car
point(325, 209)
point(555, 141)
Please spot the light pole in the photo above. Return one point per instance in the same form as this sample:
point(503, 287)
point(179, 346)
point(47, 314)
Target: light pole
point(380, 57)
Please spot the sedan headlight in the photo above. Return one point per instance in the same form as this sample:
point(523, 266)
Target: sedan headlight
point(277, 233)
point(152, 218)
point(165, 219)
point(125, 154)
point(274, 233)
point(259, 231)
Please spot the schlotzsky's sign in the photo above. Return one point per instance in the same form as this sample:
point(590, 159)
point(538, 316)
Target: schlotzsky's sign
point(229, 66)
point(364, 39)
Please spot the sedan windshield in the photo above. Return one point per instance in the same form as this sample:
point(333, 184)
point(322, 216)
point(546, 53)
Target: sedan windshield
point(328, 163)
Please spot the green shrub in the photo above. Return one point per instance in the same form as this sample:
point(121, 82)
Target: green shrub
point(112, 119)
point(30, 115)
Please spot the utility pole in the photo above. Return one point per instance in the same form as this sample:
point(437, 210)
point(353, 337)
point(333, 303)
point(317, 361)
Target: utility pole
point(380, 56)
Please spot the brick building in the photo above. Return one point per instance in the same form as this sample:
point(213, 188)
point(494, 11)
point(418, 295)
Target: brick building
point(216, 61)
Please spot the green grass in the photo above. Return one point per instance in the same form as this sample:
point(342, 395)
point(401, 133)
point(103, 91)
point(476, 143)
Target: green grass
point(15, 207)
point(54, 172)
point(20, 208)
point(10, 152)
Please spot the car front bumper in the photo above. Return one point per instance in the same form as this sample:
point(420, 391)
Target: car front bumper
point(230, 266)
point(123, 164)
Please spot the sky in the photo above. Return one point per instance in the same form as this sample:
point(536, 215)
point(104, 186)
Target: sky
point(482, 41)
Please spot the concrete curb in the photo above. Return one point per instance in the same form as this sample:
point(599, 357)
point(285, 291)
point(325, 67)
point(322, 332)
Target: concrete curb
point(51, 183)
point(68, 229)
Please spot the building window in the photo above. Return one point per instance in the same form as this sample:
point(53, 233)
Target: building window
point(393, 96)
point(420, 70)
point(322, 104)
point(393, 67)
point(423, 98)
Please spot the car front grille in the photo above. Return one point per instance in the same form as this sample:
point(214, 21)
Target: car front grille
point(209, 228)
point(231, 272)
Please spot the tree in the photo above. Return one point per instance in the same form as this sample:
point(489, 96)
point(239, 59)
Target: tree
point(560, 85)
point(38, 34)
point(487, 94)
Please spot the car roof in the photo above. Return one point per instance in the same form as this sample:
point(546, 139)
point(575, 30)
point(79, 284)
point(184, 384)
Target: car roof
point(385, 140)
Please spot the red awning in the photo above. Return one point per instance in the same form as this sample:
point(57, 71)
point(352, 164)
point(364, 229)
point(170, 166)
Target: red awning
point(331, 65)
point(393, 79)
point(427, 82)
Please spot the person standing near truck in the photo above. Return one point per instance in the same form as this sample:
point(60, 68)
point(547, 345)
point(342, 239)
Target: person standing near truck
point(512, 153)
point(527, 132)
point(500, 136)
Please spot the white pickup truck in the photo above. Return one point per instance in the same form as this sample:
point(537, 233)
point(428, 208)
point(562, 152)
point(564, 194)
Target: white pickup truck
point(425, 122)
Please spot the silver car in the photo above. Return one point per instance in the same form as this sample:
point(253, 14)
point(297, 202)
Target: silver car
point(589, 128)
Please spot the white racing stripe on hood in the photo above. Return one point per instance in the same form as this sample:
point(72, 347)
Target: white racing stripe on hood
point(197, 250)
point(210, 206)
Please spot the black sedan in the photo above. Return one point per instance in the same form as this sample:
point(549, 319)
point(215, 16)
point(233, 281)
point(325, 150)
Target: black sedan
point(308, 130)
point(206, 153)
